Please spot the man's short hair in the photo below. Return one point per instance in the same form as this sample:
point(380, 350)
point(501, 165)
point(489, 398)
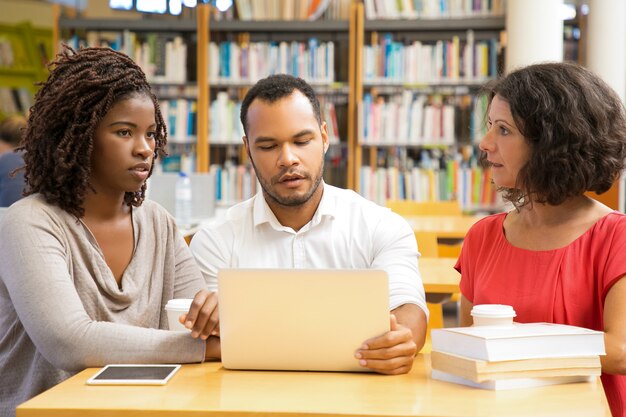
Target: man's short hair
point(274, 88)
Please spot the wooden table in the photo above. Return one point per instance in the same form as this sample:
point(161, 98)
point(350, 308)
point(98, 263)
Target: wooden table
point(446, 227)
point(439, 275)
point(208, 389)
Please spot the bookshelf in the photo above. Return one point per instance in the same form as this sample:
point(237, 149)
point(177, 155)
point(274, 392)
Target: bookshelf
point(418, 118)
point(24, 52)
point(165, 51)
point(314, 50)
point(218, 85)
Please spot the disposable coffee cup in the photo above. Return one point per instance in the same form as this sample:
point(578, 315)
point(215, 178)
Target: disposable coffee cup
point(493, 315)
point(174, 308)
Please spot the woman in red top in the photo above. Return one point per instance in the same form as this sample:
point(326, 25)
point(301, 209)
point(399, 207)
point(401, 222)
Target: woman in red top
point(555, 131)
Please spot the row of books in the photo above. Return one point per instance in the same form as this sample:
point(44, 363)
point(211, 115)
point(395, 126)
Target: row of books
point(238, 182)
point(233, 183)
point(517, 356)
point(246, 63)
point(292, 10)
point(413, 119)
point(162, 57)
point(391, 61)
point(15, 100)
point(226, 125)
point(470, 186)
point(181, 119)
point(432, 9)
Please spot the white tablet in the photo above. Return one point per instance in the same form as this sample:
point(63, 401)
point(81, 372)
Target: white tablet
point(131, 374)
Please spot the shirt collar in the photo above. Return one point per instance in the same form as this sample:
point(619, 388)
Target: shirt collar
point(262, 213)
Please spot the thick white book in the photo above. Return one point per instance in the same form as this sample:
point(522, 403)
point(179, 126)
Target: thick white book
point(506, 384)
point(520, 341)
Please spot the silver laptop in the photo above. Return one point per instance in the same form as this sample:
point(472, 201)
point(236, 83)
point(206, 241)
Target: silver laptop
point(300, 319)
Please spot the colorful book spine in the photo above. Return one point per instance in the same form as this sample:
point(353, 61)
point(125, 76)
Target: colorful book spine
point(391, 61)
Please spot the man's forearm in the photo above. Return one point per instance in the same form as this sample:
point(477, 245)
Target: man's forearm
point(411, 316)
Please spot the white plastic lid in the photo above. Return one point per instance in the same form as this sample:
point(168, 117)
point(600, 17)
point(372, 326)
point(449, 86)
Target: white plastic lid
point(179, 304)
point(493, 310)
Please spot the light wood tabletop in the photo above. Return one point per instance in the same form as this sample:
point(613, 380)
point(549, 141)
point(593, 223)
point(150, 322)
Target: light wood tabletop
point(209, 389)
point(447, 227)
point(439, 275)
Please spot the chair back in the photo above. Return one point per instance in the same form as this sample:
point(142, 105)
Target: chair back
point(425, 208)
point(427, 244)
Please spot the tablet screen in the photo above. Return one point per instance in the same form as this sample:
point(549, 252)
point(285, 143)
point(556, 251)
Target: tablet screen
point(134, 374)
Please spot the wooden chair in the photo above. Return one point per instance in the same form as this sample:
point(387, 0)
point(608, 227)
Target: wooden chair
point(427, 244)
point(431, 208)
point(428, 247)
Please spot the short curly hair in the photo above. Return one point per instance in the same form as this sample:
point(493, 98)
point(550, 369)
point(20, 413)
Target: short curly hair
point(575, 125)
point(274, 88)
point(82, 87)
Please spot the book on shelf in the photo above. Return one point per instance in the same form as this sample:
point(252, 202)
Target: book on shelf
point(447, 61)
point(506, 384)
point(432, 9)
point(429, 184)
point(292, 10)
point(163, 57)
point(247, 62)
point(180, 117)
point(479, 370)
point(520, 341)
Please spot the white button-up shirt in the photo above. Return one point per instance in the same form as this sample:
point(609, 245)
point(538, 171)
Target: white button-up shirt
point(346, 231)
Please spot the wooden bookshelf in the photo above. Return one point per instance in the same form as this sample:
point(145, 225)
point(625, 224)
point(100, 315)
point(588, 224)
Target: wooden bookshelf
point(203, 30)
point(24, 52)
point(407, 31)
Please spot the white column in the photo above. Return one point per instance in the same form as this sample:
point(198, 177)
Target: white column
point(606, 42)
point(534, 30)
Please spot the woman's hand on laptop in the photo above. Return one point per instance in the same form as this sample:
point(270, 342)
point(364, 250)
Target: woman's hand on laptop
point(203, 316)
point(392, 353)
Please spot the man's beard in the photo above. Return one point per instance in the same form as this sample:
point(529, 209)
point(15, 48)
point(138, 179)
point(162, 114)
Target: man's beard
point(290, 200)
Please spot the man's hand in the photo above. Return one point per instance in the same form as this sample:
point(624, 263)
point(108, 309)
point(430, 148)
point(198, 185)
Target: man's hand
point(392, 353)
point(203, 316)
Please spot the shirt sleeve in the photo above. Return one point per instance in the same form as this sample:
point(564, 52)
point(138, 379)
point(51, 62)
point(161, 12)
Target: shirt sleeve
point(35, 272)
point(212, 249)
point(466, 284)
point(615, 267)
point(395, 251)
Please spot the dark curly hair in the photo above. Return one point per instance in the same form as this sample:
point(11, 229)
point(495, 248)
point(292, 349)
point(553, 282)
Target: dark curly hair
point(275, 87)
point(82, 87)
point(575, 125)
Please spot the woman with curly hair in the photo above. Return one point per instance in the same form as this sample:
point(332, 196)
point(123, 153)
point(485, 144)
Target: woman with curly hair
point(87, 265)
point(555, 131)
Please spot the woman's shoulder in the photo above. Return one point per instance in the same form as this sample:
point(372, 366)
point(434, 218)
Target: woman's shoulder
point(153, 214)
point(611, 224)
point(33, 207)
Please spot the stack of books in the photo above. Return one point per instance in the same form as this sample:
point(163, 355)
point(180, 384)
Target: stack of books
point(518, 356)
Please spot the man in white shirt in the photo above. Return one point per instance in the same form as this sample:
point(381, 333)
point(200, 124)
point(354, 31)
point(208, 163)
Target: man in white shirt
point(298, 221)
